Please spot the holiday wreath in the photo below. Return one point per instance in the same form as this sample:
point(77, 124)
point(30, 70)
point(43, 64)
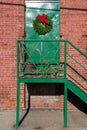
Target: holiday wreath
point(42, 24)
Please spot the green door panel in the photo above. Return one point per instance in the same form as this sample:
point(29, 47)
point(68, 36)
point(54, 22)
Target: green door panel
point(39, 51)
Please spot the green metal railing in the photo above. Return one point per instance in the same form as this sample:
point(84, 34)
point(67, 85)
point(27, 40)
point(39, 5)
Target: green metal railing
point(76, 61)
point(23, 59)
point(22, 53)
point(73, 87)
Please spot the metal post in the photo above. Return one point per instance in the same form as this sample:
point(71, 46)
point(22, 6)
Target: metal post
point(65, 51)
point(18, 103)
point(65, 104)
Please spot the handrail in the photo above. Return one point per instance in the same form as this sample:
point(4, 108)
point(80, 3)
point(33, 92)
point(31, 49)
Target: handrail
point(56, 40)
point(77, 61)
point(21, 66)
point(81, 52)
point(65, 42)
point(73, 71)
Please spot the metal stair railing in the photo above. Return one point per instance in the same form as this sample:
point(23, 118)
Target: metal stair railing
point(66, 54)
point(22, 62)
point(22, 51)
point(70, 84)
point(23, 54)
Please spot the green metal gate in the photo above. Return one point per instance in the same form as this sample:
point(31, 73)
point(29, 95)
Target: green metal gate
point(48, 51)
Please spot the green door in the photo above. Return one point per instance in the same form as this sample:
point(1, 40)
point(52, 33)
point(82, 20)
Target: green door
point(43, 51)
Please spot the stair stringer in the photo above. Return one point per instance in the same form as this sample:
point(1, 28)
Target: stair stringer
point(77, 91)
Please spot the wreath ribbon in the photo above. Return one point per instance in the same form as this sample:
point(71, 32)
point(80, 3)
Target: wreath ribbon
point(42, 18)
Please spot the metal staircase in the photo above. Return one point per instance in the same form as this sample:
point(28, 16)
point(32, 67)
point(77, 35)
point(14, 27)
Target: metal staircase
point(76, 82)
point(70, 78)
point(77, 91)
point(72, 82)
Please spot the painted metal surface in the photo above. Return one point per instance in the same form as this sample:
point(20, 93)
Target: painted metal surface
point(67, 84)
point(49, 51)
point(77, 91)
point(47, 48)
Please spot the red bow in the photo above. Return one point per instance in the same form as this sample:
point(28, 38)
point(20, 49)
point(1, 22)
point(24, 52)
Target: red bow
point(42, 18)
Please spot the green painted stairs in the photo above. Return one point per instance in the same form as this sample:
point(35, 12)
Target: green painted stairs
point(77, 91)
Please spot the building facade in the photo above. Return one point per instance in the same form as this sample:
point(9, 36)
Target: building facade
point(73, 26)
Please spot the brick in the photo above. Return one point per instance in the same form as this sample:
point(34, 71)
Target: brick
point(73, 26)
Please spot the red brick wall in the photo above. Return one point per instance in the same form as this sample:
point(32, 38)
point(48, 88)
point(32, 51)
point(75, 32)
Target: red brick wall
point(73, 25)
point(73, 21)
point(11, 28)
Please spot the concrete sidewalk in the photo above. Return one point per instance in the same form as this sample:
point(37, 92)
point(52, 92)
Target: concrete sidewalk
point(44, 120)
